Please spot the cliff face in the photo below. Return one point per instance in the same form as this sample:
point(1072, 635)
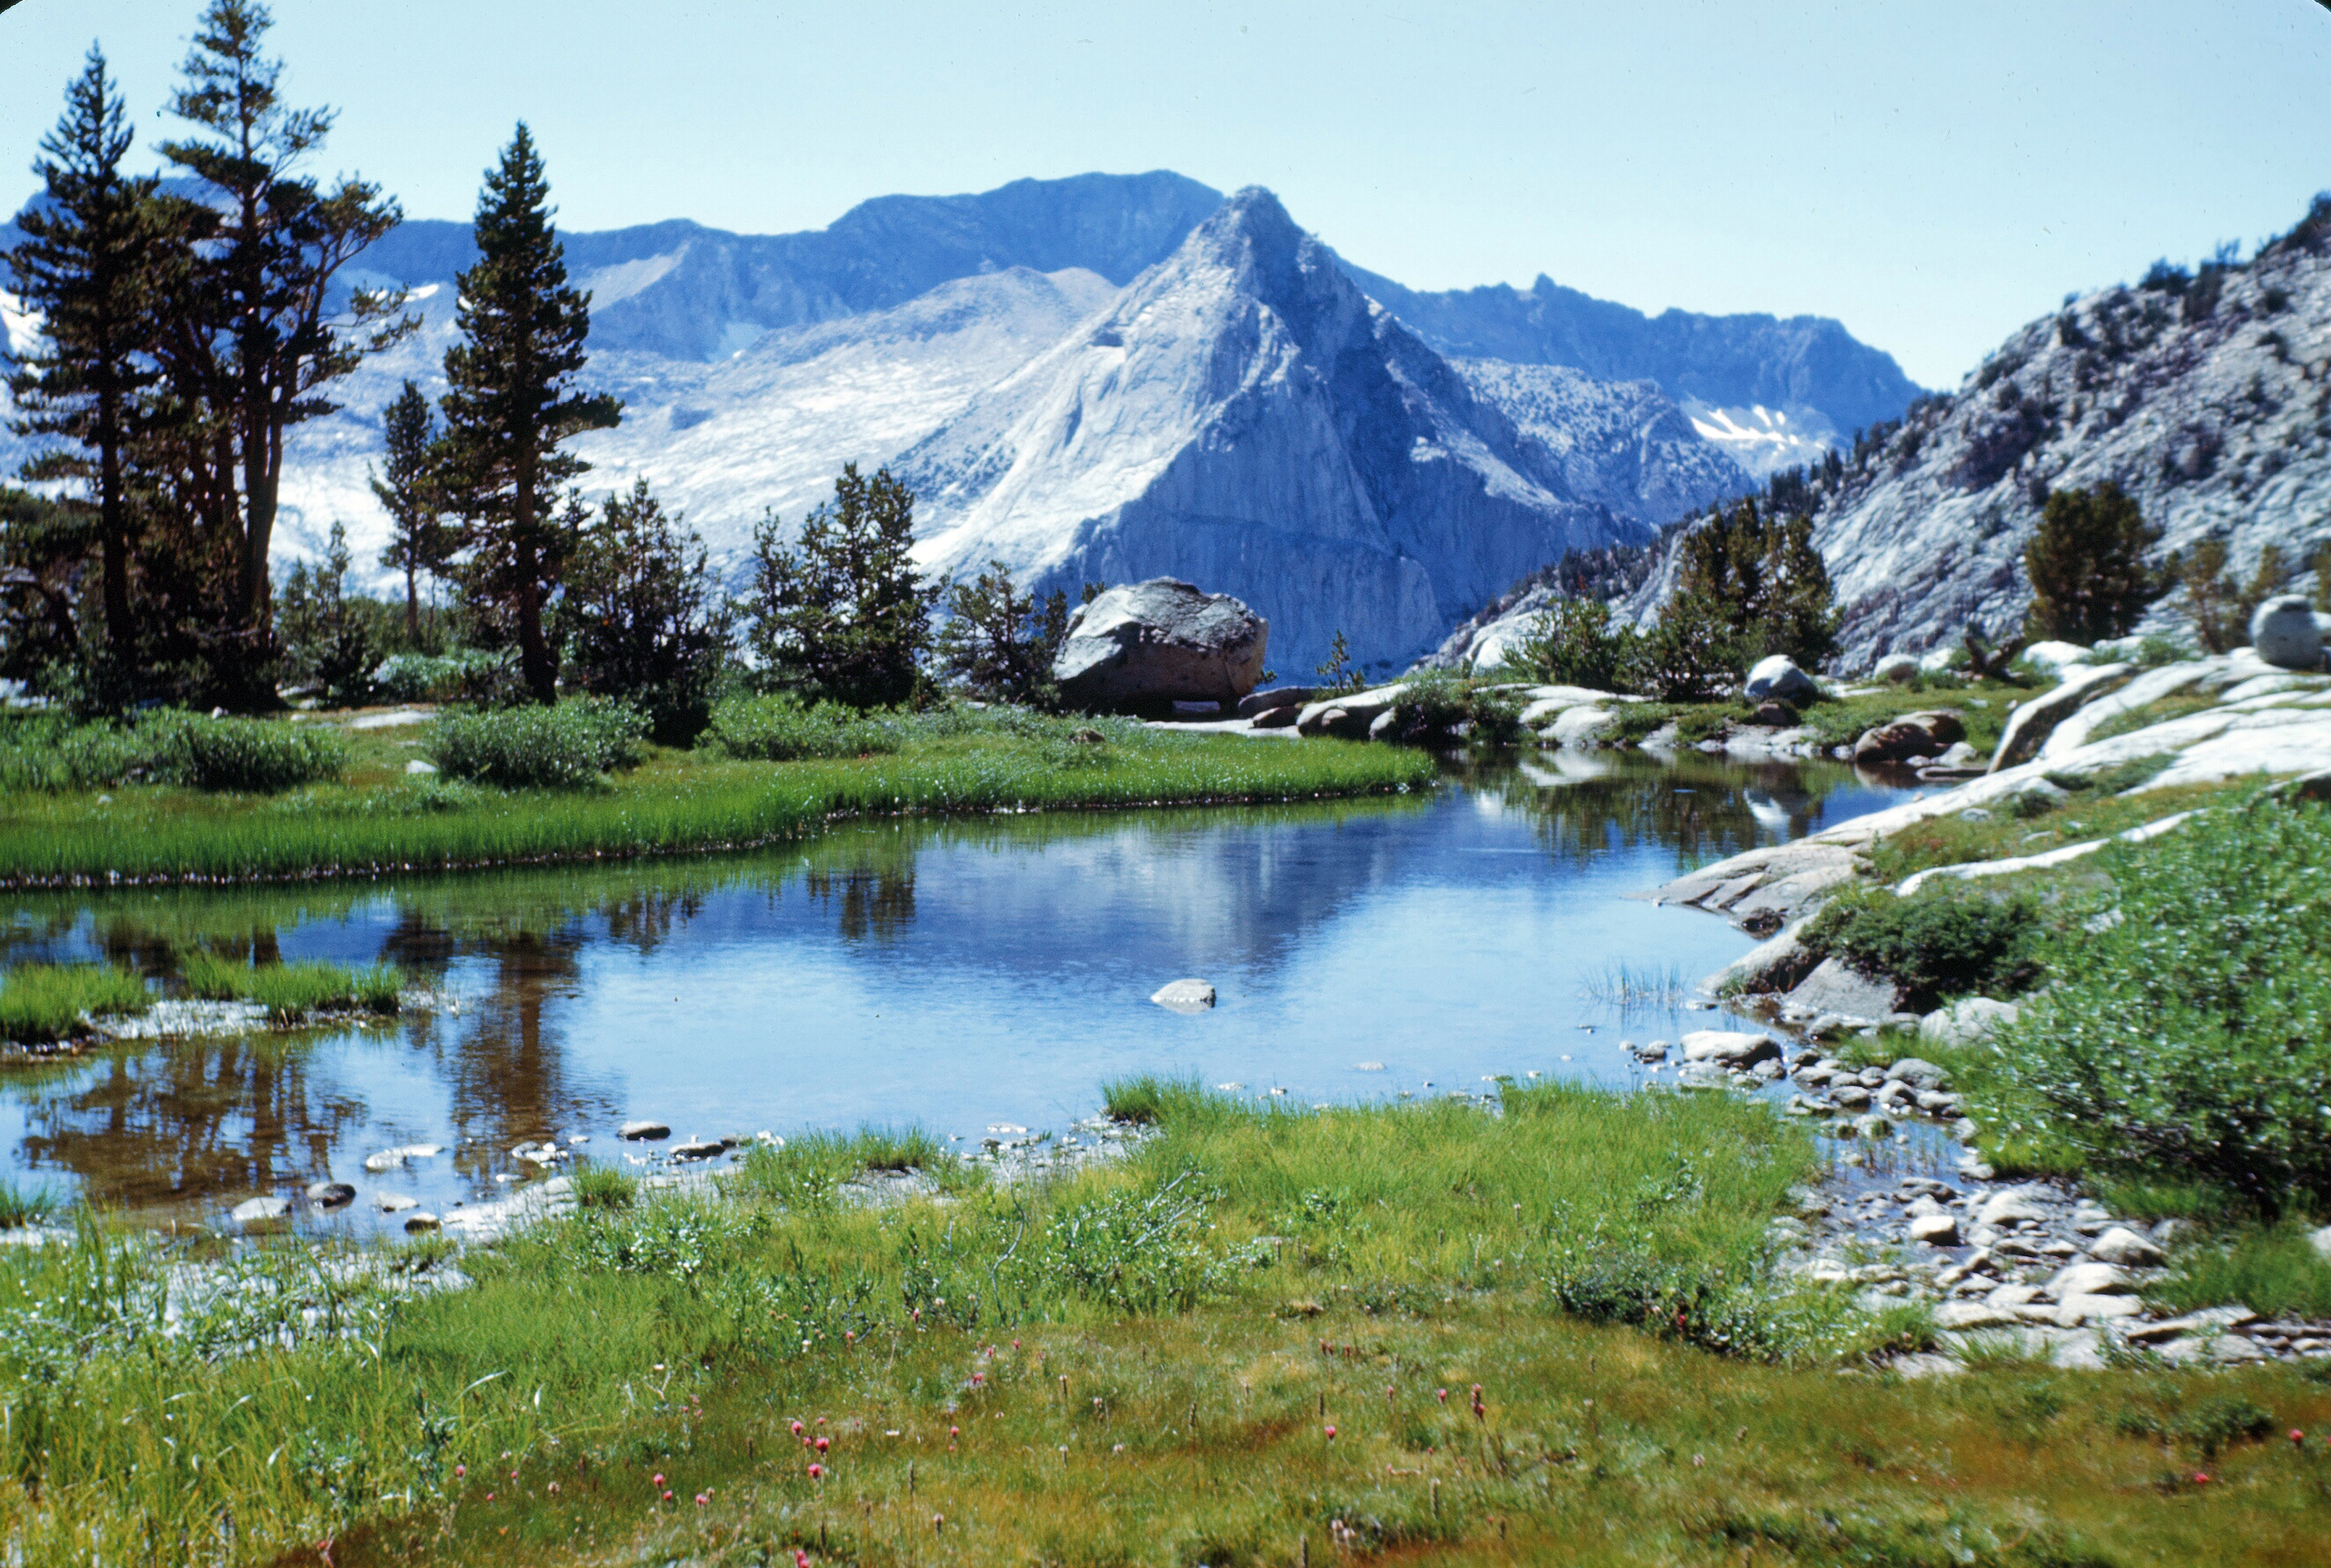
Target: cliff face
point(2208, 399)
point(1243, 417)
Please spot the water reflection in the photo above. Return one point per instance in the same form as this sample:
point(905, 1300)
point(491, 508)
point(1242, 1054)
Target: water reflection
point(946, 972)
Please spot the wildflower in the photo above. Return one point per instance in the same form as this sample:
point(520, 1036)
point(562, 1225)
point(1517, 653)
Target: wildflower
point(657, 1478)
point(1331, 1431)
point(1444, 1395)
point(702, 1499)
point(2298, 1438)
point(817, 1472)
point(461, 1471)
point(489, 1497)
point(554, 1488)
point(801, 1558)
point(667, 1496)
point(822, 1443)
point(797, 1428)
point(955, 1431)
point(2200, 1478)
point(1698, 1461)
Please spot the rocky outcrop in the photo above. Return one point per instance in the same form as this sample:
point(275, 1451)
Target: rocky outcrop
point(2036, 718)
point(1151, 644)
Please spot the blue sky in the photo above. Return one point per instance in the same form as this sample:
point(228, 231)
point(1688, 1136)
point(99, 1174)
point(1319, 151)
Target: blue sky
point(1932, 175)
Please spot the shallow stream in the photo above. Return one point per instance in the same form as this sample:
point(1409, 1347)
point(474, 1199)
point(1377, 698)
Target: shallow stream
point(964, 975)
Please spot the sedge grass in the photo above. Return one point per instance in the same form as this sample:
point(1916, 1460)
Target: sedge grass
point(676, 804)
point(41, 1003)
point(988, 1399)
point(290, 991)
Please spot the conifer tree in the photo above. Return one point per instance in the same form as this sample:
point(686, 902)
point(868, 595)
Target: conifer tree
point(645, 617)
point(842, 614)
point(1759, 586)
point(1001, 642)
point(418, 541)
point(2086, 564)
point(514, 403)
point(88, 265)
point(255, 337)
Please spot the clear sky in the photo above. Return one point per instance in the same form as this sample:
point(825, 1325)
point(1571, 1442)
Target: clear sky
point(1932, 175)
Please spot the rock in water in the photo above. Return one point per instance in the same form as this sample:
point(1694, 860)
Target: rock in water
point(637, 1131)
point(699, 1149)
point(331, 1194)
point(1778, 676)
point(1152, 643)
point(416, 1224)
point(1184, 996)
point(2286, 633)
point(259, 1211)
point(1729, 1048)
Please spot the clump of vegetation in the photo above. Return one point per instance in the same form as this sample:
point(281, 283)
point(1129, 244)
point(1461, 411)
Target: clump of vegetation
point(41, 1003)
point(840, 613)
point(599, 1186)
point(291, 991)
point(779, 727)
point(2219, 603)
point(999, 643)
point(1948, 939)
point(445, 677)
point(1573, 643)
point(561, 746)
point(257, 757)
point(2087, 566)
point(1753, 583)
point(24, 1206)
point(645, 620)
point(1439, 709)
point(2184, 1035)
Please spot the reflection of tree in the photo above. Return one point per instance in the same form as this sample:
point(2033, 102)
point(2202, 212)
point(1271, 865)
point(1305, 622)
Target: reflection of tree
point(191, 1119)
point(876, 902)
point(1704, 808)
point(507, 1071)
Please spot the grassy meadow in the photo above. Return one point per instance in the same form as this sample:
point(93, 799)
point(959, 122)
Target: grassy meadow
point(373, 817)
point(1409, 1332)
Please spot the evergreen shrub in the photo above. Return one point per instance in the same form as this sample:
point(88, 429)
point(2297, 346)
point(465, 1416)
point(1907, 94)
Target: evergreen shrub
point(560, 746)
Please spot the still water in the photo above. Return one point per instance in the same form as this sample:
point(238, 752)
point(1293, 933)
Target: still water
point(960, 974)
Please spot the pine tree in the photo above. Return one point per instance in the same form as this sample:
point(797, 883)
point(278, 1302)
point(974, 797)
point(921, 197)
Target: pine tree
point(418, 542)
point(645, 617)
point(842, 614)
point(1757, 586)
point(513, 404)
point(257, 337)
point(88, 265)
point(2086, 563)
point(1000, 642)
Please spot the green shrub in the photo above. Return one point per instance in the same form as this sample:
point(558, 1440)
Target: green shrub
point(44, 1001)
point(433, 677)
point(778, 727)
point(1610, 1280)
point(251, 754)
point(168, 746)
point(560, 746)
point(2188, 1035)
point(604, 1187)
point(1438, 709)
point(1574, 644)
point(1948, 939)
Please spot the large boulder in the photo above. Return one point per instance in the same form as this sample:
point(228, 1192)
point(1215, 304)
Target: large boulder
point(1147, 645)
point(2286, 633)
point(1895, 669)
point(1927, 735)
point(1350, 714)
point(1255, 702)
point(1779, 676)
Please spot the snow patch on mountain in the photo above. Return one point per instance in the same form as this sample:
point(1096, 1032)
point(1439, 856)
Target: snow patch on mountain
point(1763, 441)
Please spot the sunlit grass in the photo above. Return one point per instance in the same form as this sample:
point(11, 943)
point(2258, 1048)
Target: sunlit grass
point(40, 1002)
point(290, 991)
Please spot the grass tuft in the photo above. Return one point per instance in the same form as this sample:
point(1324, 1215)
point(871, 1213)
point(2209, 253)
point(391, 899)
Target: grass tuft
point(41, 1003)
point(290, 991)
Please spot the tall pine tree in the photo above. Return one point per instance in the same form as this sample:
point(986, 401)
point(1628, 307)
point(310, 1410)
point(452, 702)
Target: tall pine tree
point(514, 403)
point(89, 267)
point(418, 541)
point(2087, 566)
point(260, 335)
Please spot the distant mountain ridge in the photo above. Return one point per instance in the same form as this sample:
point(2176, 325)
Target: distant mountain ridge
point(752, 366)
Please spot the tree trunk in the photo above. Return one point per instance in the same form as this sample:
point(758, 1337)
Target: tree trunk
point(533, 650)
point(121, 629)
point(412, 606)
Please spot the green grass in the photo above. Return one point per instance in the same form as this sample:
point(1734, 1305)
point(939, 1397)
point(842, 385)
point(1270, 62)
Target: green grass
point(40, 1002)
point(2273, 1269)
point(2092, 813)
point(1132, 1364)
point(1983, 708)
point(600, 1186)
point(675, 802)
point(24, 1206)
point(290, 991)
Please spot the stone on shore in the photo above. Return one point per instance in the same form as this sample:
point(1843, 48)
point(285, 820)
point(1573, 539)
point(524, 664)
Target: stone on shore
point(1895, 669)
point(1936, 1229)
point(1928, 733)
point(2287, 634)
point(1778, 676)
point(2089, 1279)
point(1966, 1021)
point(331, 1194)
point(643, 1130)
point(1143, 645)
point(416, 1224)
point(1184, 995)
point(1836, 986)
point(1256, 703)
point(1729, 1048)
point(2125, 1247)
point(1348, 714)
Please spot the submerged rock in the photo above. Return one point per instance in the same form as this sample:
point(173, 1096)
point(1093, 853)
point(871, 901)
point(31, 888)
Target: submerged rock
point(331, 1194)
point(1184, 995)
point(259, 1211)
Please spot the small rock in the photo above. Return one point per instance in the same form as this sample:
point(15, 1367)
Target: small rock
point(1936, 1229)
point(2074, 1310)
point(1851, 1096)
point(331, 1194)
point(699, 1149)
point(1729, 1048)
point(2005, 1208)
point(2320, 1241)
point(2089, 1279)
point(1917, 1073)
point(2124, 1246)
point(394, 1159)
point(2285, 632)
point(395, 1202)
point(1895, 669)
point(418, 767)
point(259, 1211)
point(1965, 1315)
point(1657, 1051)
point(643, 1130)
point(416, 1224)
point(1184, 996)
